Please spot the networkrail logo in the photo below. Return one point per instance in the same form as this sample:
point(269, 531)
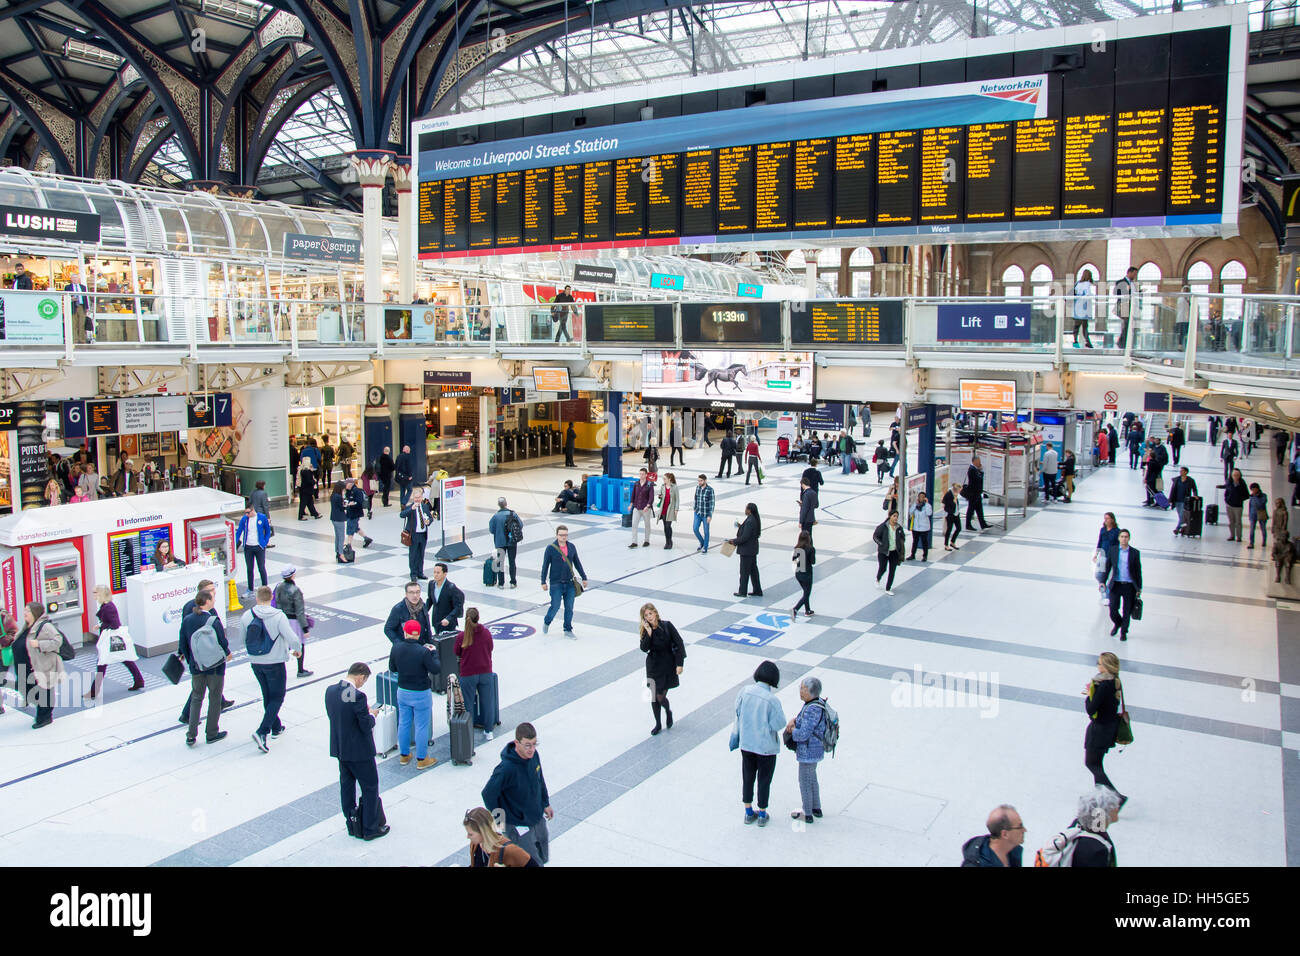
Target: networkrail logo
point(78, 910)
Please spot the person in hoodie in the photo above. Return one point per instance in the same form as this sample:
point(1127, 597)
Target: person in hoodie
point(1002, 845)
point(269, 667)
point(518, 788)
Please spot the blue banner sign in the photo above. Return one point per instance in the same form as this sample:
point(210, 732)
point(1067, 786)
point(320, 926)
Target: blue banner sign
point(662, 280)
point(984, 322)
point(747, 291)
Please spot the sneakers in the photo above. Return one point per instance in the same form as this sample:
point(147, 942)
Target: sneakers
point(568, 632)
point(545, 627)
point(426, 763)
point(645, 544)
point(763, 818)
point(278, 732)
point(302, 674)
point(260, 740)
point(632, 545)
point(487, 735)
point(513, 585)
point(367, 542)
point(404, 759)
point(750, 816)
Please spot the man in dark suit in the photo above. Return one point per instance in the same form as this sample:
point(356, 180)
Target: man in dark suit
point(1123, 583)
point(418, 518)
point(352, 743)
point(728, 444)
point(570, 438)
point(446, 601)
point(386, 469)
point(973, 491)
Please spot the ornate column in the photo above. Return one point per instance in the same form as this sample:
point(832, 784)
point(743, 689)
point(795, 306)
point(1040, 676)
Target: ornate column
point(371, 167)
point(405, 227)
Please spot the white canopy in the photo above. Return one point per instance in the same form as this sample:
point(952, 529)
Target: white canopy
point(38, 525)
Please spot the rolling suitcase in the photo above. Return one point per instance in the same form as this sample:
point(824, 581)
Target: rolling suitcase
point(489, 573)
point(1212, 513)
point(445, 644)
point(459, 725)
point(1161, 501)
point(386, 731)
point(1193, 515)
point(492, 720)
point(386, 689)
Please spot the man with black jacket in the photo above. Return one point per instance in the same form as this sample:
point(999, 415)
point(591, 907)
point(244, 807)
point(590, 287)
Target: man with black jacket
point(404, 472)
point(1177, 439)
point(807, 507)
point(1123, 583)
point(1181, 490)
point(352, 743)
point(410, 608)
point(446, 601)
point(1156, 462)
point(570, 439)
point(204, 681)
point(386, 469)
point(1002, 845)
point(560, 313)
point(973, 492)
point(728, 447)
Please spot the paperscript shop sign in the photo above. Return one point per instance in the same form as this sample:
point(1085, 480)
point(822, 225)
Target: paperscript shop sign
point(321, 248)
point(49, 224)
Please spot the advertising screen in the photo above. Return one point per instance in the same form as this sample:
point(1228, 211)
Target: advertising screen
point(716, 378)
point(551, 379)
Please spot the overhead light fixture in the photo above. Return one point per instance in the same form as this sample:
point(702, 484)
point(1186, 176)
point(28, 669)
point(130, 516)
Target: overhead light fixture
point(81, 52)
point(233, 11)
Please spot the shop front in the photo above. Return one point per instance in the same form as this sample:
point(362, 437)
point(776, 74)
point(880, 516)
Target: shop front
point(452, 426)
point(328, 416)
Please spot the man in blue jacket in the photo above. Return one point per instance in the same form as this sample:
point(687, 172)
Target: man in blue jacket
point(518, 789)
point(254, 533)
point(502, 540)
point(558, 578)
point(1002, 845)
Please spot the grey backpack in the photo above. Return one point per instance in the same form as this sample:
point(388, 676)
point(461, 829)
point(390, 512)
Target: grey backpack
point(204, 647)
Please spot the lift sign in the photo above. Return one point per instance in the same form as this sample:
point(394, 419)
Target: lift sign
point(985, 322)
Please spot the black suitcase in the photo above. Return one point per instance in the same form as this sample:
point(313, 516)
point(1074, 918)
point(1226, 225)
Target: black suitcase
point(1193, 517)
point(1212, 514)
point(459, 726)
point(445, 644)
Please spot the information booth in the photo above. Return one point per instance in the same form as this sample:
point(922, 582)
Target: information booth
point(59, 555)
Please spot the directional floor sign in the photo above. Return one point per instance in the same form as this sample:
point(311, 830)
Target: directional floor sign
point(984, 322)
point(749, 634)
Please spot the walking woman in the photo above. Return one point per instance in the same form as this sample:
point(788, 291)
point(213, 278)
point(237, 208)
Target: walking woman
point(759, 719)
point(478, 685)
point(652, 458)
point(113, 647)
point(1107, 538)
point(668, 506)
point(804, 557)
point(1067, 474)
point(951, 522)
point(488, 846)
point(806, 729)
point(306, 489)
point(746, 543)
point(889, 549)
point(42, 641)
point(338, 518)
point(1103, 702)
point(665, 656)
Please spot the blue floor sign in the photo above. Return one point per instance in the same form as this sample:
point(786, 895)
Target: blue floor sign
point(510, 631)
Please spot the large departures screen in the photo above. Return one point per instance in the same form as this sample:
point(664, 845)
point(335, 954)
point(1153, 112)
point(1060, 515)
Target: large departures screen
point(1130, 133)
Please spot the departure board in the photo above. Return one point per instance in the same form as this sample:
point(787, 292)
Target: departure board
point(566, 204)
point(537, 207)
point(942, 154)
point(735, 189)
point(482, 197)
point(813, 172)
point(510, 208)
point(629, 198)
point(988, 172)
point(455, 214)
point(597, 202)
point(848, 322)
point(663, 176)
point(855, 173)
point(1036, 188)
point(1133, 135)
point(1086, 169)
point(699, 194)
point(429, 213)
point(617, 322)
point(772, 183)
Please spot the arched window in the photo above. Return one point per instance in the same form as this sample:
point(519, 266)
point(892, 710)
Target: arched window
point(828, 268)
point(1041, 280)
point(1199, 277)
point(860, 268)
point(1148, 283)
point(1231, 279)
point(1013, 278)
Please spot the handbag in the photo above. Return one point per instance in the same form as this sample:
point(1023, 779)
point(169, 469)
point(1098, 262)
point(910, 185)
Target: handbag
point(787, 737)
point(173, 668)
point(1137, 609)
point(727, 549)
point(406, 539)
point(577, 585)
point(66, 651)
point(1160, 483)
point(1124, 732)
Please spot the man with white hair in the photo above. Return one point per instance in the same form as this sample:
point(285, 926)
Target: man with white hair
point(507, 531)
point(1002, 845)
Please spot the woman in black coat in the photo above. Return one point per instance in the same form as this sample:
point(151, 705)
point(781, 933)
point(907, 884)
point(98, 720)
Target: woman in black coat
point(889, 553)
point(306, 493)
point(665, 657)
point(951, 521)
point(804, 557)
point(746, 542)
point(1102, 702)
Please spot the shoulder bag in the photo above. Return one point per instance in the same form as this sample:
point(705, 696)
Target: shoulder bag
point(1124, 733)
point(577, 585)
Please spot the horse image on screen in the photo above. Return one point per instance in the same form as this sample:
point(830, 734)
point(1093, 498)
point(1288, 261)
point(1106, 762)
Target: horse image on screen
point(740, 379)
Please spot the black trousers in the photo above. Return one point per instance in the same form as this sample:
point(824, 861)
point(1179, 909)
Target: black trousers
point(568, 458)
point(725, 462)
point(1092, 759)
point(676, 456)
point(756, 766)
point(923, 539)
point(510, 551)
point(975, 508)
point(951, 526)
point(1121, 605)
point(1178, 453)
point(807, 527)
point(1082, 326)
point(886, 562)
point(415, 554)
point(668, 534)
point(748, 574)
point(307, 503)
point(805, 581)
point(255, 554)
point(364, 773)
point(752, 470)
point(385, 487)
point(1134, 457)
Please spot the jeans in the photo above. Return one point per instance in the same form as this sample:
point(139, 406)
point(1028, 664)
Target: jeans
point(404, 492)
point(414, 707)
point(479, 691)
point(385, 486)
point(1134, 458)
point(509, 551)
point(567, 593)
point(537, 841)
point(273, 679)
point(366, 774)
point(1181, 508)
point(886, 562)
point(340, 531)
point(1262, 521)
point(255, 553)
point(699, 523)
point(645, 515)
point(846, 464)
point(211, 685)
point(760, 766)
point(415, 553)
point(1178, 452)
point(810, 794)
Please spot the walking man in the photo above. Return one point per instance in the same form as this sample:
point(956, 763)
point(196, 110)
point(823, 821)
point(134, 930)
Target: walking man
point(728, 446)
point(676, 454)
point(560, 313)
point(386, 469)
point(561, 570)
point(517, 788)
point(570, 438)
point(808, 503)
point(270, 641)
point(643, 497)
point(703, 512)
point(1049, 473)
point(973, 491)
point(1123, 583)
point(404, 472)
point(205, 651)
point(352, 743)
point(1124, 289)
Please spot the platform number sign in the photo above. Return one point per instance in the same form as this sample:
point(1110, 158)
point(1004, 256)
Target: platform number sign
point(211, 411)
point(74, 419)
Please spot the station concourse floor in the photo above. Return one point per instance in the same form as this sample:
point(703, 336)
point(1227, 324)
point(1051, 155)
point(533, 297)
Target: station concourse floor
point(1211, 677)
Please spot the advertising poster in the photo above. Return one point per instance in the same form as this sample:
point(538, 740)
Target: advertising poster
point(30, 318)
point(995, 471)
point(33, 466)
point(728, 379)
point(915, 485)
point(257, 436)
point(454, 503)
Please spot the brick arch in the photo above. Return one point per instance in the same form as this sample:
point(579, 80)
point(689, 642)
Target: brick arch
point(1027, 255)
point(1217, 252)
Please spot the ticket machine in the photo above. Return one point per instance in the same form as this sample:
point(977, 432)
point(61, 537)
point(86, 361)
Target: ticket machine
point(58, 581)
point(213, 538)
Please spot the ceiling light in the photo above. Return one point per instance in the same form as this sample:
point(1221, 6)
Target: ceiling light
point(81, 52)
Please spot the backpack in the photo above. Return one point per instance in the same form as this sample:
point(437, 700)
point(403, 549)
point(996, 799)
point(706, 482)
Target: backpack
point(1060, 852)
point(256, 638)
point(204, 647)
point(830, 726)
point(514, 529)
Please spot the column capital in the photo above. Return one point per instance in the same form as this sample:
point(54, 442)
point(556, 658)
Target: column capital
point(402, 173)
point(371, 166)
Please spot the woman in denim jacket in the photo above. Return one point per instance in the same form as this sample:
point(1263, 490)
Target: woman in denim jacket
point(759, 719)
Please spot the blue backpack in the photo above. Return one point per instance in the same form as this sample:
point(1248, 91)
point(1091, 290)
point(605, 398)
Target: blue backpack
point(257, 640)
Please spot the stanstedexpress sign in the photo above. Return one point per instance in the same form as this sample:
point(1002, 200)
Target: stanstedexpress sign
point(30, 318)
point(323, 248)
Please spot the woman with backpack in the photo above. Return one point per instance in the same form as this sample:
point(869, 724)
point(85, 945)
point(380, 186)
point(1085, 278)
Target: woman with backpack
point(1103, 700)
point(42, 641)
point(805, 731)
point(665, 657)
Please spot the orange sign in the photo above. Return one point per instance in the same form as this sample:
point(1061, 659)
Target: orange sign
point(551, 379)
point(983, 395)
